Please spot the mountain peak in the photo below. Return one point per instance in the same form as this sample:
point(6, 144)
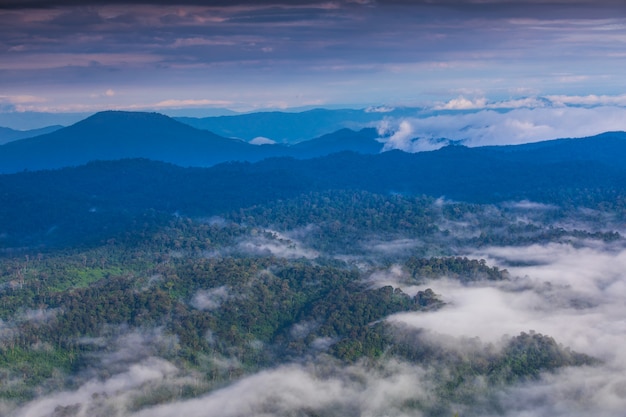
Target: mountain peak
point(115, 114)
point(120, 118)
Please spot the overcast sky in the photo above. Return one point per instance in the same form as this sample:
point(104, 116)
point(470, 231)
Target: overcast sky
point(85, 56)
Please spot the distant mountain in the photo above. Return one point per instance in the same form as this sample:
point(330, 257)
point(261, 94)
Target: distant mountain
point(9, 135)
point(363, 141)
point(34, 120)
point(116, 135)
point(574, 172)
point(609, 147)
point(286, 127)
point(199, 112)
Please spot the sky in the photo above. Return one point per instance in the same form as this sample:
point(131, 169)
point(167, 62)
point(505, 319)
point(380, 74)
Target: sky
point(85, 56)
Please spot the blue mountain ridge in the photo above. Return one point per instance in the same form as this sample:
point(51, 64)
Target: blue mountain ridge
point(57, 205)
point(9, 135)
point(114, 135)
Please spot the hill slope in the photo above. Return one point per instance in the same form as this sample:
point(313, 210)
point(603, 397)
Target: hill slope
point(99, 193)
point(116, 135)
point(285, 127)
point(9, 135)
point(363, 141)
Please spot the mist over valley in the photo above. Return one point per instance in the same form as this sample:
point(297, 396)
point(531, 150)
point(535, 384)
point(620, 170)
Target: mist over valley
point(312, 208)
point(470, 281)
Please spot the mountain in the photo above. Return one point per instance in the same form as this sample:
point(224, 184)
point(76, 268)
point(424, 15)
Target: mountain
point(609, 147)
point(455, 170)
point(113, 135)
point(364, 142)
point(576, 172)
point(34, 120)
point(191, 288)
point(286, 127)
point(9, 135)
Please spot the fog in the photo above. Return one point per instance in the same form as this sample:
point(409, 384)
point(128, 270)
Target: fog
point(297, 390)
point(490, 127)
point(210, 299)
point(130, 367)
point(571, 289)
point(271, 242)
point(572, 293)
point(100, 398)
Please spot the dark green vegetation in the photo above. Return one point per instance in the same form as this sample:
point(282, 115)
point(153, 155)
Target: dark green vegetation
point(211, 298)
point(227, 271)
point(59, 206)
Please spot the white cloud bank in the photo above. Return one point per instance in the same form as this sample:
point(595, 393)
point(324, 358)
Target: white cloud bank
point(574, 294)
point(93, 396)
point(297, 390)
point(491, 127)
point(260, 140)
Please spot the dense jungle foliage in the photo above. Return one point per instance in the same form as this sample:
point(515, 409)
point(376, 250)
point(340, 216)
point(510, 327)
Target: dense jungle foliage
point(286, 281)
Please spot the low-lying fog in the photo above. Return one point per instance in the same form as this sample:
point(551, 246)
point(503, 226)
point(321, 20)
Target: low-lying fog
point(573, 291)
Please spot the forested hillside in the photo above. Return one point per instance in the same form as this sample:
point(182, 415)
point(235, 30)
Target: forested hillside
point(429, 273)
point(222, 296)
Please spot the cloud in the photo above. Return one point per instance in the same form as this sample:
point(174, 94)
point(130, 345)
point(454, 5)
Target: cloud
point(270, 242)
point(558, 283)
point(47, 61)
point(302, 329)
point(6, 331)
point(379, 109)
point(210, 299)
point(22, 99)
point(125, 366)
point(481, 311)
point(90, 108)
point(113, 393)
point(573, 293)
point(572, 78)
point(462, 103)
point(299, 390)
point(172, 103)
point(374, 49)
point(406, 138)
point(396, 247)
point(575, 392)
point(260, 140)
point(107, 93)
point(529, 205)
point(199, 41)
point(40, 315)
point(489, 127)
point(589, 100)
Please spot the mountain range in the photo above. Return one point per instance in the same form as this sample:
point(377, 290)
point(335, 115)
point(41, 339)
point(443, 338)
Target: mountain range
point(585, 172)
point(294, 127)
point(9, 135)
point(215, 266)
point(114, 135)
